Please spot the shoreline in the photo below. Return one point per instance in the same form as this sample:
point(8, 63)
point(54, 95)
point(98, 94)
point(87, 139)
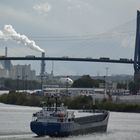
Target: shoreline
point(37, 107)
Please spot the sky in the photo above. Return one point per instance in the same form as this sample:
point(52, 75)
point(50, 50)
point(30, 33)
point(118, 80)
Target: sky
point(73, 28)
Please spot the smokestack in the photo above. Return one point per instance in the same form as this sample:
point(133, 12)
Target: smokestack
point(5, 51)
point(42, 72)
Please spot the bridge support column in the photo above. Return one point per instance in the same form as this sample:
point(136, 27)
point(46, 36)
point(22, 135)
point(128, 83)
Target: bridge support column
point(137, 51)
point(137, 77)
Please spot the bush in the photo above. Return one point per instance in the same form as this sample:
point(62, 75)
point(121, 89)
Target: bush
point(78, 102)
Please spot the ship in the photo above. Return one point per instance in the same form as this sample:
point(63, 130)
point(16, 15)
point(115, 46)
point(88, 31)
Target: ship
point(59, 121)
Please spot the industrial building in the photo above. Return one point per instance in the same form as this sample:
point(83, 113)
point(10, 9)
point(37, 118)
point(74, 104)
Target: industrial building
point(8, 70)
point(22, 72)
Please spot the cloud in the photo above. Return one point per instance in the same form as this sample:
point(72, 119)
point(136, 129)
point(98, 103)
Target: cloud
point(78, 4)
point(11, 14)
point(42, 7)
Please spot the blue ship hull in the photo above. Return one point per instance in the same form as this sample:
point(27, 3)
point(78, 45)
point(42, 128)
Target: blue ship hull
point(50, 129)
point(60, 130)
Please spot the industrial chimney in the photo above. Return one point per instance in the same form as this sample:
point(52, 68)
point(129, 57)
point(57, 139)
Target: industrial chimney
point(7, 63)
point(5, 51)
point(42, 72)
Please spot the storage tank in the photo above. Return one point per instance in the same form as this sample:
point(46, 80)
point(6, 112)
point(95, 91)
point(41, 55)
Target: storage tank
point(66, 80)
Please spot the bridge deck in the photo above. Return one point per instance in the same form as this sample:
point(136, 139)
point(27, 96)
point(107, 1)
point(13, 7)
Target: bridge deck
point(127, 61)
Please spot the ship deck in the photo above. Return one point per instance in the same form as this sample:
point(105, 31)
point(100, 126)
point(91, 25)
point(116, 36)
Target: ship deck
point(80, 113)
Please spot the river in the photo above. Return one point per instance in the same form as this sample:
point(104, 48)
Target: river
point(15, 125)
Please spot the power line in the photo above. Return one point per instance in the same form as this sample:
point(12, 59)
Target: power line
point(66, 37)
point(82, 37)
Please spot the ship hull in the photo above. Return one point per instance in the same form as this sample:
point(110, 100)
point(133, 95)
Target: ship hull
point(79, 126)
point(50, 129)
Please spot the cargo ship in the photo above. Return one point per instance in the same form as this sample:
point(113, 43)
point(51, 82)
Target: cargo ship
point(60, 122)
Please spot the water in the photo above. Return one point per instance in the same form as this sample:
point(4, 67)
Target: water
point(4, 92)
point(15, 125)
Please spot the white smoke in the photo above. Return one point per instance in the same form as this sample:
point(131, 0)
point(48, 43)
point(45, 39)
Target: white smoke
point(9, 33)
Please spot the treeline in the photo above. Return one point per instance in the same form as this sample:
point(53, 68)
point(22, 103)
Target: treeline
point(118, 107)
point(78, 102)
point(86, 82)
point(86, 102)
point(20, 99)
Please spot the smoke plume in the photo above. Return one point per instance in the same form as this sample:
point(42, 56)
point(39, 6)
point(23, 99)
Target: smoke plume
point(9, 33)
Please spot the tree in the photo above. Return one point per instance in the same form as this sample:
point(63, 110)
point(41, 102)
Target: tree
point(134, 87)
point(85, 82)
point(121, 86)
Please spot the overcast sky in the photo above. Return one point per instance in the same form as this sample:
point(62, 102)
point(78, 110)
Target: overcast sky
point(73, 28)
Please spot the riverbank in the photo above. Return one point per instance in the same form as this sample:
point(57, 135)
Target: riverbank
point(77, 102)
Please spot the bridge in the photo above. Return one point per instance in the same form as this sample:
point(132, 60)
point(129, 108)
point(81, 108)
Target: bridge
point(104, 60)
point(135, 62)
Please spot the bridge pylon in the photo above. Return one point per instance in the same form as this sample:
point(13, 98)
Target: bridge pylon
point(137, 51)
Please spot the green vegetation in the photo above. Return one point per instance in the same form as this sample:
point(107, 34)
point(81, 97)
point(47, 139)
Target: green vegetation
point(108, 105)
point(86, 82)
point(20, 99)
point(134, 87)
point(78, 102)
point(121, 86)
